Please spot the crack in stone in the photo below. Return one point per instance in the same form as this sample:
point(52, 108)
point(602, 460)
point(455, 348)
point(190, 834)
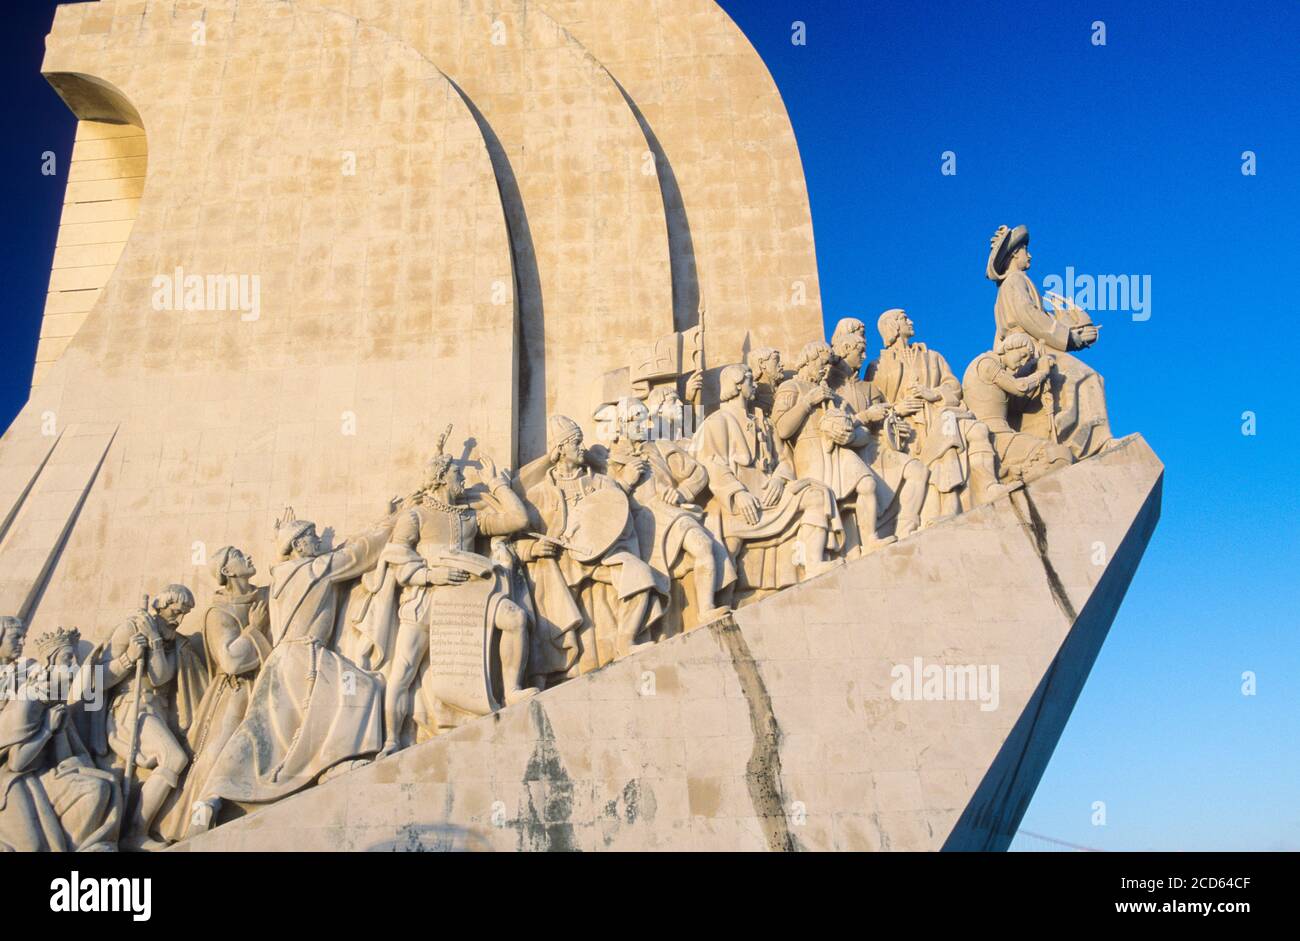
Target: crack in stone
point(763, 770)
point(1037, 531)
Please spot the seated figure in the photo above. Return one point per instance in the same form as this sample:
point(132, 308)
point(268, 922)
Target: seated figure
point(668, 482)
point(774, 524)
point(995, 385)
point(947, 437)
point(824, 437)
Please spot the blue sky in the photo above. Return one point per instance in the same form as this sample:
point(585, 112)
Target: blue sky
point(1122, 159)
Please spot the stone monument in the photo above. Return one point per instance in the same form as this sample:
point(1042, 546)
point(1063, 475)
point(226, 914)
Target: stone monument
point(723, 590)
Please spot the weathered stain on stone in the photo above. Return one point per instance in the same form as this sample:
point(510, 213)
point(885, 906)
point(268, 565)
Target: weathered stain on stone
point(1037, 530)
point(549, 827)
point(763, 770)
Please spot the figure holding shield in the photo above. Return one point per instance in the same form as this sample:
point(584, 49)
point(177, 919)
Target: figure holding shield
point(595, 597)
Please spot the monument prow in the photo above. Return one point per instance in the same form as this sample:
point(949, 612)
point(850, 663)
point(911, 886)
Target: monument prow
point(810, 720)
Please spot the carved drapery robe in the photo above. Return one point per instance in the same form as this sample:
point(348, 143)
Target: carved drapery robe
point(662, 526)
point(739, 453)
point(52, 796)
point(940, 427)
point(235, 651)
point(813, 453)
point(578, 604)
point(422, 534)
point(879, 452)
point(310, 708)
point(1077, 416)
point(1019, 452)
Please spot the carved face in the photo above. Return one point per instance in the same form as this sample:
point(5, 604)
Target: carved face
point(636, 423)
point(454, 483)
point(1021, 258)
point(572, 453)
point(770, 367)
point(1019, 360)
point(64, 658)
point(173, 613)
point(853, 352)
point(238, 565)
point(906, 328)
point(746, 388)
point(308, 545)
point(11, 644)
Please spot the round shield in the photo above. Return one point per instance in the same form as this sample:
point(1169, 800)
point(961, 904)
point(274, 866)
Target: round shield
point(596, 523)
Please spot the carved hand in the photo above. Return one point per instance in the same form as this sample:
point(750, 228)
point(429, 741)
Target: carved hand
point(674, 497)
point(749, 507)
point(630, 476)
point(1085, 335)
point(258, 615)
point(56, 715)
point(817, 395)
point(547, 548)
point(877, 412)
point(138, 647)
point(441, 575)
point(772, 491)
point(694, 384)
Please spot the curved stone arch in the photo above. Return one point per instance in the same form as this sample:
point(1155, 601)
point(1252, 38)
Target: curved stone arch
point(724, 129)
point(386, 307)
point(107, 173)
point(579, 183)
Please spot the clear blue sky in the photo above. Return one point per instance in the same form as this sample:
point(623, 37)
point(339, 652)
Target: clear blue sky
point(1122, 159)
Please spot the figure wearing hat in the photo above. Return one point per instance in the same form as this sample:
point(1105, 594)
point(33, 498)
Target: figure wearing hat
point(1073, 409)
point(311, 710)
point(236, 645)
point(433, 550)
point(595, 597)
point(52, 796)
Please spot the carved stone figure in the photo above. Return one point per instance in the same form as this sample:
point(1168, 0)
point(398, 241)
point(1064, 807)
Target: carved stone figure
point(52, 796)
point(774, 524)
point(995, 382)
point(948, 439)
point(824, 438)
point(901, 479)
point(595, 598)
point(667, 482)
point(769, 372)
point(235, 644)
point(431, 563)
point(1072, 410)
point(157, 679)
point(670, 419)
point(311, 710)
